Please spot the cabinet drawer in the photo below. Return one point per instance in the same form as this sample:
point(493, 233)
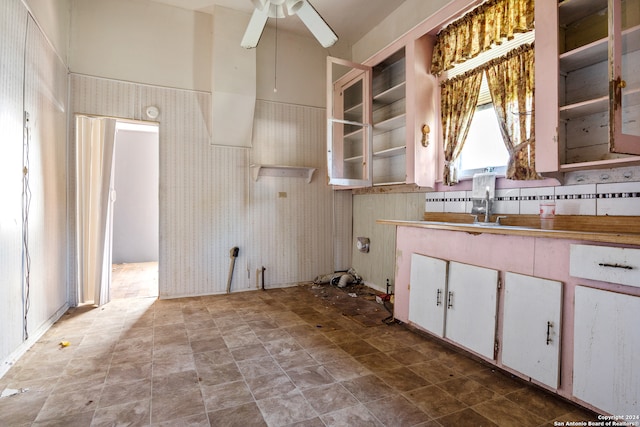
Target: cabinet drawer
point(607, 264)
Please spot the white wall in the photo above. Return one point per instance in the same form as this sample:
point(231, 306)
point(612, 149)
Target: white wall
point(33, 79)
point(300, 72)
point(135, 216)
point(208, 201)
point(53, 17)
point(407, 16)
point(140, 41)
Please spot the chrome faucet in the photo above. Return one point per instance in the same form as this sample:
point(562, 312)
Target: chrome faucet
point(487, 206)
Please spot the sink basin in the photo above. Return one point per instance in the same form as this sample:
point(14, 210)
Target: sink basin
point(481, 224)
point(498, 225)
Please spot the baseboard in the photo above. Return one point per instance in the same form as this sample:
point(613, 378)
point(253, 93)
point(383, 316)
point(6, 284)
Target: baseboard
point(33, 338)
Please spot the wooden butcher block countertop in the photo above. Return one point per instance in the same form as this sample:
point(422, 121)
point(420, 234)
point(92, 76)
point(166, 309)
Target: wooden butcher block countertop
point(624, 230)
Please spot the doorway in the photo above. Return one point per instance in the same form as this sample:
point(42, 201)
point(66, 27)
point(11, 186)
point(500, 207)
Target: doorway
point(135, 182)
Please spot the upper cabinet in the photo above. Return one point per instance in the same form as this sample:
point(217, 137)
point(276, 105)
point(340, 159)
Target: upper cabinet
point(381, 116)
point(587, 86)
point(349, 133)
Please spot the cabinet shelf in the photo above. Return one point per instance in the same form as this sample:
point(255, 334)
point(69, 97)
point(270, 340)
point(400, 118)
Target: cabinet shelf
point(392, 94)
point(584, 108)
point(283, 171)
point(389, 124)
point(596, 105)
point(601, 164)
point(390, 152)
point(355, 111)
point(382, 184)
point(584, 56)
point(597, 51)
point(574, 10)
point(355, 135)
point(354, 159)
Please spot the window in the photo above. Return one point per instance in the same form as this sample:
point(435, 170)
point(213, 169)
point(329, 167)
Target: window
point(484, 148)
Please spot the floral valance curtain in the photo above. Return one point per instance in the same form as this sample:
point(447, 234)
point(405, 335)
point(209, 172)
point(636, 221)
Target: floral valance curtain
point(459, 98)
point(478, 30)
point(511, 84)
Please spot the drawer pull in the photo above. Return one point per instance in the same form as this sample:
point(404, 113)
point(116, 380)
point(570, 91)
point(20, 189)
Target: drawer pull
point(626, 267)
point(450, 300)
point(438, 302)
point(549, 326)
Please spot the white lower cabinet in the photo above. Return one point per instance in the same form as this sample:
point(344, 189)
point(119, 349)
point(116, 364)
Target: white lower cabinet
point(428, 285)
point(472, 307)
point(454, 300)
point(531, 327)
point(606, 353)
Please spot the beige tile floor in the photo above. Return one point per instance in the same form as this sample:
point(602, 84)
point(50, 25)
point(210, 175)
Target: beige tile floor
point(302, 356)
point(134, 280)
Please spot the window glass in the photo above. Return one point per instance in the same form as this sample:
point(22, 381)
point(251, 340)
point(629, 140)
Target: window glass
point(484, 147)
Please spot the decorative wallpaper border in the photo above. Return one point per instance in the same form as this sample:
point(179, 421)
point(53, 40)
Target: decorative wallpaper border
point(582, 199)
point(508, 198)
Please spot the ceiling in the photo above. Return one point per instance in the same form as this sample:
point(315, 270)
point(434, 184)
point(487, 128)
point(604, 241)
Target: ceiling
point(349, 19)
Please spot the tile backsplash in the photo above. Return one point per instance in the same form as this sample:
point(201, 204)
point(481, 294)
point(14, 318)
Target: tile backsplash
point(581, 199)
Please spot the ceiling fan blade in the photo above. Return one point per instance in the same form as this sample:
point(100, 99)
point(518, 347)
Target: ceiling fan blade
point(255, 28)
point(316, 24)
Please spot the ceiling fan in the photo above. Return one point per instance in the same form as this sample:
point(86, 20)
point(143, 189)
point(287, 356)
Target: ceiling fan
point(265, 9)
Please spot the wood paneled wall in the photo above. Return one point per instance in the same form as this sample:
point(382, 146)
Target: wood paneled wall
point(208, 201)
point(378, 264)
point(32, 80)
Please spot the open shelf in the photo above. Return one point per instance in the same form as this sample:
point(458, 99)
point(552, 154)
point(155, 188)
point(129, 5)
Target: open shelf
point(283, 171)
point(354, 112)
point(389, 124)
point(601, 164)
point(354, 159)
point(574, 10)
point(584, 108)
point(392, 94)
point(391, 152)
point(584, 56)
point(597, 51)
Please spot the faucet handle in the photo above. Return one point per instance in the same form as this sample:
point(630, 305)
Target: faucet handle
point(475, 218)
point(499, 218)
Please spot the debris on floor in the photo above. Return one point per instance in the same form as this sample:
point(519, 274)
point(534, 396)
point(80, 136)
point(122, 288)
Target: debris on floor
point(340, 279)
point(8, 392)
point(356, 301)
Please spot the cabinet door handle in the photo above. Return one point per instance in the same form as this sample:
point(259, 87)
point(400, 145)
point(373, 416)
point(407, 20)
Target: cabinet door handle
point(549, 326)
point(438, 294)
point(450, 300)
point(626, 267)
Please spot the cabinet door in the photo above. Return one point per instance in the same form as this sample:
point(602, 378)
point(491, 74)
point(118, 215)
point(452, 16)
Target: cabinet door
point(349, 124)
point(606, 352)
point(586, 115)
point(471, 303)
point(546, 84)
point(427, 293)
point(624, 102)
point(531, 330)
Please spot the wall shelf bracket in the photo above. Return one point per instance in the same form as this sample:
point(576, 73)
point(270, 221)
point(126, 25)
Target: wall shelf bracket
point(282, 171)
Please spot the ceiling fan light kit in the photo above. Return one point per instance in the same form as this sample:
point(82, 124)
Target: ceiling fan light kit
point(265, 9)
